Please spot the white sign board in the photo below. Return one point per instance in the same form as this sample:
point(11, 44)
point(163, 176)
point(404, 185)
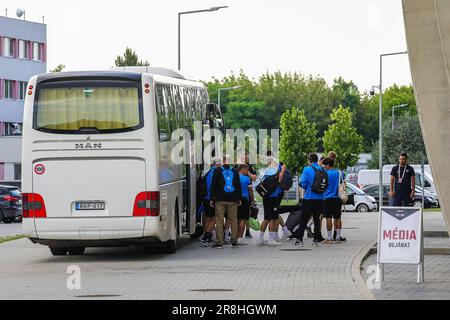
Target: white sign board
point(400, 235)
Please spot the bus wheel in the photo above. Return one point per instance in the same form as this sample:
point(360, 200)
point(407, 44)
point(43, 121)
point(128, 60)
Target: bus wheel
point(76, 251)
point(58, 251)
point(171, 245)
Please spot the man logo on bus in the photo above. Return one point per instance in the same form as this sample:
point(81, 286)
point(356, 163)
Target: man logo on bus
point(39, 169)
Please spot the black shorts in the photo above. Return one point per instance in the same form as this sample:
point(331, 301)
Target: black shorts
point(271, 206)
point(209, 211)
point(332, 208)
point(244, 210)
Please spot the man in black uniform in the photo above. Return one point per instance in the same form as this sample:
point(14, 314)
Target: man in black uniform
point(403, 183)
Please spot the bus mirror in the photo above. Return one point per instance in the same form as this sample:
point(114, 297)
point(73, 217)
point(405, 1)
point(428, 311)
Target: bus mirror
point(211, 108)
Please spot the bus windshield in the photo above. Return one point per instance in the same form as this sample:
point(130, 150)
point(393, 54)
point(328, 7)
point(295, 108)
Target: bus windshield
point(88, 108)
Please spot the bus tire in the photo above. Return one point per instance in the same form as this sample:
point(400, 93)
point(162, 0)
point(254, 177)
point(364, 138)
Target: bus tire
point(172, 245)
point(76, 251)
point(56, 251)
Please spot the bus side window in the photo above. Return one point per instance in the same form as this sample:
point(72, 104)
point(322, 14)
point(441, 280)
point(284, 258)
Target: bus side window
point(163, 127)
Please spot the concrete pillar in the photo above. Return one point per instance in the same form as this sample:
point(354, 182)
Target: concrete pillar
point(427, 25)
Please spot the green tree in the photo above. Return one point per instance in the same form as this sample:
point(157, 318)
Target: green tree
point(345, 93)
point(129, 59)
point(245, 115)
point(343, 138)
point(58, 68)
point(298, 138)
point(407, 137)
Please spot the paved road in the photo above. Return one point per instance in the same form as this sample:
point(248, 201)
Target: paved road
point(249, 272)
point(10, 229)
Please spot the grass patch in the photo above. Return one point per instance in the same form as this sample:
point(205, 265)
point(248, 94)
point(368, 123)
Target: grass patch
point(259, 200)
point(11, 238)
point(432, 210)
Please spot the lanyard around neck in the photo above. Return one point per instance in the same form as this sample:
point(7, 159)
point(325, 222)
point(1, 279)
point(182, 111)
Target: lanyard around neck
point(404, 171)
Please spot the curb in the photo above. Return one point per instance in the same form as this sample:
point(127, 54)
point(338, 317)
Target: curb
point(356, 270)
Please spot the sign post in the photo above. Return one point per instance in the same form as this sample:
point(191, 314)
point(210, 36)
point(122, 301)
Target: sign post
point(400, 239)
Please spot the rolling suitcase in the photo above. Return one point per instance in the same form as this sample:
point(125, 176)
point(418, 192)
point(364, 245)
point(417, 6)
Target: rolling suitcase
point(293, 221)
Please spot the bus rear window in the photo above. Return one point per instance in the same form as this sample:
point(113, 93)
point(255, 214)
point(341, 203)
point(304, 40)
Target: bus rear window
point(88, 109)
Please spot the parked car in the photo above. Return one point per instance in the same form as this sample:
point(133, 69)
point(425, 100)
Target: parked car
point(359, 201)
point(372, 177)
point(431, 200)
point(10, 204)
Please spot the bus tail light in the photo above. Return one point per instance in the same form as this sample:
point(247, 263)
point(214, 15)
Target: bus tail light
point(146, 204)
point(33, 206)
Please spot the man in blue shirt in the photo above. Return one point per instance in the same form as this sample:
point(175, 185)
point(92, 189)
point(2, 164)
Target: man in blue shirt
point(271, 204)
point(312, 201)
point(244, 209)
point(332, 203)
point(226, 196)
point(210, 214)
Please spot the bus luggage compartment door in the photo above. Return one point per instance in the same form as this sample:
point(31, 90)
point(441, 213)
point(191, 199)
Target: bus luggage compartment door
point(89, 188)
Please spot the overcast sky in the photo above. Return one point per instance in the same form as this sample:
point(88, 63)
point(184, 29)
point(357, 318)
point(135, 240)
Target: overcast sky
point(322, 37)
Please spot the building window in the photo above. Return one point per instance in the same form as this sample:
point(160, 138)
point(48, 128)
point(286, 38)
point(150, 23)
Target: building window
point(17, 171)
point(13, 129)
point(8, 45)
point(23, 49)
point(9, 89)
point(37, 51)
point(22, 90)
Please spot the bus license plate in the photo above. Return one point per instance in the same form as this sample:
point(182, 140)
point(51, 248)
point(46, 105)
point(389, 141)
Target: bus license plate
point(97, 205)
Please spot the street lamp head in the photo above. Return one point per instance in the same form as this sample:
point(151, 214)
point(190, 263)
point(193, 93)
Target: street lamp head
point(217, 8)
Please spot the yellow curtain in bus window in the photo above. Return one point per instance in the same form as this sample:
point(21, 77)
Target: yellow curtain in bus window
point(104, 108)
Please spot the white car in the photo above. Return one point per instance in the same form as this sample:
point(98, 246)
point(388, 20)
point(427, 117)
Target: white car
point(359, 201)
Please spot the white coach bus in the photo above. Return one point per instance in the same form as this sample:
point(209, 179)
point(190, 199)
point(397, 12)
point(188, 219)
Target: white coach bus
point(96, 159)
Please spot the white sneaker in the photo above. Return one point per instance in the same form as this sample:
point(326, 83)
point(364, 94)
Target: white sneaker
point(273, 243)
point(298, 243)
point(286, 236)
point(242, 241)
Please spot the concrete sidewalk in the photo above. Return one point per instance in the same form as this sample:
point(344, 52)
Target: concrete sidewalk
point(400, 280)
point(195, 272)
point(10, 229)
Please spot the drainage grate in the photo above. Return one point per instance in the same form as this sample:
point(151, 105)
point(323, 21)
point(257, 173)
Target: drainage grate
point(98, 296)
point(351, 228)
point(295, 249)
point(211, 290)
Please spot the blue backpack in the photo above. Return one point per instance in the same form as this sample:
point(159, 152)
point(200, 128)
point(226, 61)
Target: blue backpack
point(209, 177)
point(228, 176)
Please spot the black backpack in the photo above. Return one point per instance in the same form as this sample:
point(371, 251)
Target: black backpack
point(320, 183)
point(287, 182)
point(267, 186)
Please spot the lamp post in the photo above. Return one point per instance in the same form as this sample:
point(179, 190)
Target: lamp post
point(225, 89)
point(380, 127)
point(393, 114)
point(179, 26)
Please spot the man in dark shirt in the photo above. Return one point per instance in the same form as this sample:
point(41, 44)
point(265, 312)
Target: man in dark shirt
point(226, 197)
point(403, 183)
